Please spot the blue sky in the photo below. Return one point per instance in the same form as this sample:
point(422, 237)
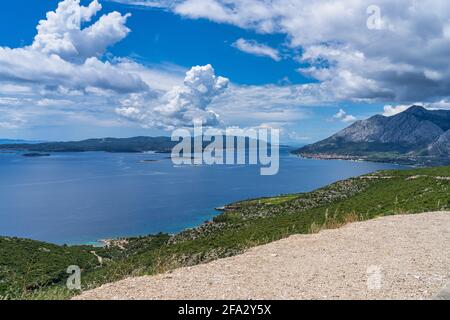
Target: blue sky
point(161, 37)
point(307, 78)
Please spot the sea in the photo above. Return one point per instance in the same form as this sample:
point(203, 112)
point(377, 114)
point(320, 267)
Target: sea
point(81, 198)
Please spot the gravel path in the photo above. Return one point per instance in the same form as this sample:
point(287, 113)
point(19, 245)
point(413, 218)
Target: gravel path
point(396, 257)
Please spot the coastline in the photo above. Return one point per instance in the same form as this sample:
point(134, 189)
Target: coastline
point(206, 214)
point(414, 162)
point(335, 156)
point(219, 210)
point(246, 225)
point(280, 274)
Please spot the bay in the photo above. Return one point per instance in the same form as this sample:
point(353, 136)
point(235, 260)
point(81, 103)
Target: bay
point(76, 198)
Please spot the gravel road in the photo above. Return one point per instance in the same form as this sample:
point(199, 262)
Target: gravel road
point(395, 257)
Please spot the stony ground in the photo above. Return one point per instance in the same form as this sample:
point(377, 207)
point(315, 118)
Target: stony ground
point(395, 257)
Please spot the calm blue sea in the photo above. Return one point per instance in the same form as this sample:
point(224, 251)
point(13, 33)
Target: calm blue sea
point(83, 197)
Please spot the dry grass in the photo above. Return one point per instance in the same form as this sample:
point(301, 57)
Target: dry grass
point(334, 223)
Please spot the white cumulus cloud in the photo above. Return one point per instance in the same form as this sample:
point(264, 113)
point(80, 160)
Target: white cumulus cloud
point(343, 116)
point(63, 54)
point(389, 110)
point(404, 60)
point(257, 49)
point(181, 105)
point(62, 78)
point(61, 33)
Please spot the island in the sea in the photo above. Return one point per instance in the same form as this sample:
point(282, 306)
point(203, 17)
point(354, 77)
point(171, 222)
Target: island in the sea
point(36, 155)
point(115, 145)
point(126, 145)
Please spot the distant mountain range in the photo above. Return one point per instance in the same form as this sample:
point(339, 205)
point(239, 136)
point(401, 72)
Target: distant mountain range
point(136, 144)
point(125, 145)
point(415, 136)
point(11, 141)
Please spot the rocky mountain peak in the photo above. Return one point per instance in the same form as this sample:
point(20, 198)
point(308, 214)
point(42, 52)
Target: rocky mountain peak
point(416, 110)
point(415, 131)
